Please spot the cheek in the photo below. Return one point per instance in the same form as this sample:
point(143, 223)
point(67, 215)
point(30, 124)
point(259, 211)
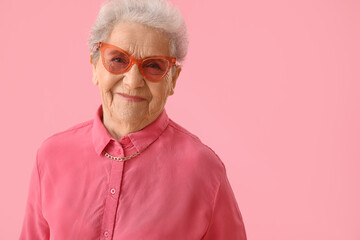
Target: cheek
point(106, 81)
point(160, 93)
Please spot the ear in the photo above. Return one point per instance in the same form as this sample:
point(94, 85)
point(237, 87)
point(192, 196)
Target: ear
point(176, 74)
point(93, 64)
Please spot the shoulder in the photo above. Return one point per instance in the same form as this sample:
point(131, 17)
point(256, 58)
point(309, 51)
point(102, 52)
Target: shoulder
point(190, 138)
point(189, 146)
point(60, 141)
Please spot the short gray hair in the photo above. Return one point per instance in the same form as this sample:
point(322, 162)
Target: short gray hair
point(158, 14)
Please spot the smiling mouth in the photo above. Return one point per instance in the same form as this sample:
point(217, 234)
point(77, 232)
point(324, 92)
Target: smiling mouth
point(131, 98)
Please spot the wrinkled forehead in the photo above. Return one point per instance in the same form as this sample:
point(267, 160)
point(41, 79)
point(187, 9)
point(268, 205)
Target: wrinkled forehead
point(139, 40)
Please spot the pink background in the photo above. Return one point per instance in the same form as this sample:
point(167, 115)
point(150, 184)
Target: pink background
point(271, 86)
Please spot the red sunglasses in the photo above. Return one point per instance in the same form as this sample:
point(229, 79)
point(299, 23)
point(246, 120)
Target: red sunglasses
point(117, 61)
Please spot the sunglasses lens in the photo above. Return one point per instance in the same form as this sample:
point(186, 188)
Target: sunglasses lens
point(115, 61)
point(154, 69)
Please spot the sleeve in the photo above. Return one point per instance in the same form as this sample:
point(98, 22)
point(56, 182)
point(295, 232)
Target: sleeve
point(226, 222)
point(34, 226)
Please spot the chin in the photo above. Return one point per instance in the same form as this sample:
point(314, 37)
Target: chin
point(132, 115)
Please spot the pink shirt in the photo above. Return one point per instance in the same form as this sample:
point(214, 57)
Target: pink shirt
point(176, 189)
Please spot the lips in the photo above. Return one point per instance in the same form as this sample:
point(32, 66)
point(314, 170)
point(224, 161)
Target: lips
point(131, 98)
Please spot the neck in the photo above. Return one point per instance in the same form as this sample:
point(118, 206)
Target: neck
point(119, 128)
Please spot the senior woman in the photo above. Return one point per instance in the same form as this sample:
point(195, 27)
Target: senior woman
point(131, 172)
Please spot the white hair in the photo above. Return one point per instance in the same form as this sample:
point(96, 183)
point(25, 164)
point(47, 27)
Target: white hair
point(158, 14)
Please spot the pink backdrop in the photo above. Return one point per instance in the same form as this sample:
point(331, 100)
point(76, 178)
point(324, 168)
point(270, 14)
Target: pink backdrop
point(272, 86)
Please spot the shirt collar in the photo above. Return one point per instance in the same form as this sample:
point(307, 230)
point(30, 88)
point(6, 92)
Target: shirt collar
point(140, 139)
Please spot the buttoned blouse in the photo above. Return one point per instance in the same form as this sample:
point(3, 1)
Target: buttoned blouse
point(175, 189)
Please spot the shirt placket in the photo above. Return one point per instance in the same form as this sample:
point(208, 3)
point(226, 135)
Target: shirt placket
point(112, 199)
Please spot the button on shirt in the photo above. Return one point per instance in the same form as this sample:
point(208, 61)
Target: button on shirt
point(176, 188)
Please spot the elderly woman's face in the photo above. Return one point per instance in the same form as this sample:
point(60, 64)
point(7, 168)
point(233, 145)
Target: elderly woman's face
point(128, 96)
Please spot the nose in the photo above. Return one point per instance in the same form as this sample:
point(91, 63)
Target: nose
point(133, 78)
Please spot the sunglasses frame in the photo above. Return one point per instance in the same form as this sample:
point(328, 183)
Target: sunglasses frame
point(102, 46)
